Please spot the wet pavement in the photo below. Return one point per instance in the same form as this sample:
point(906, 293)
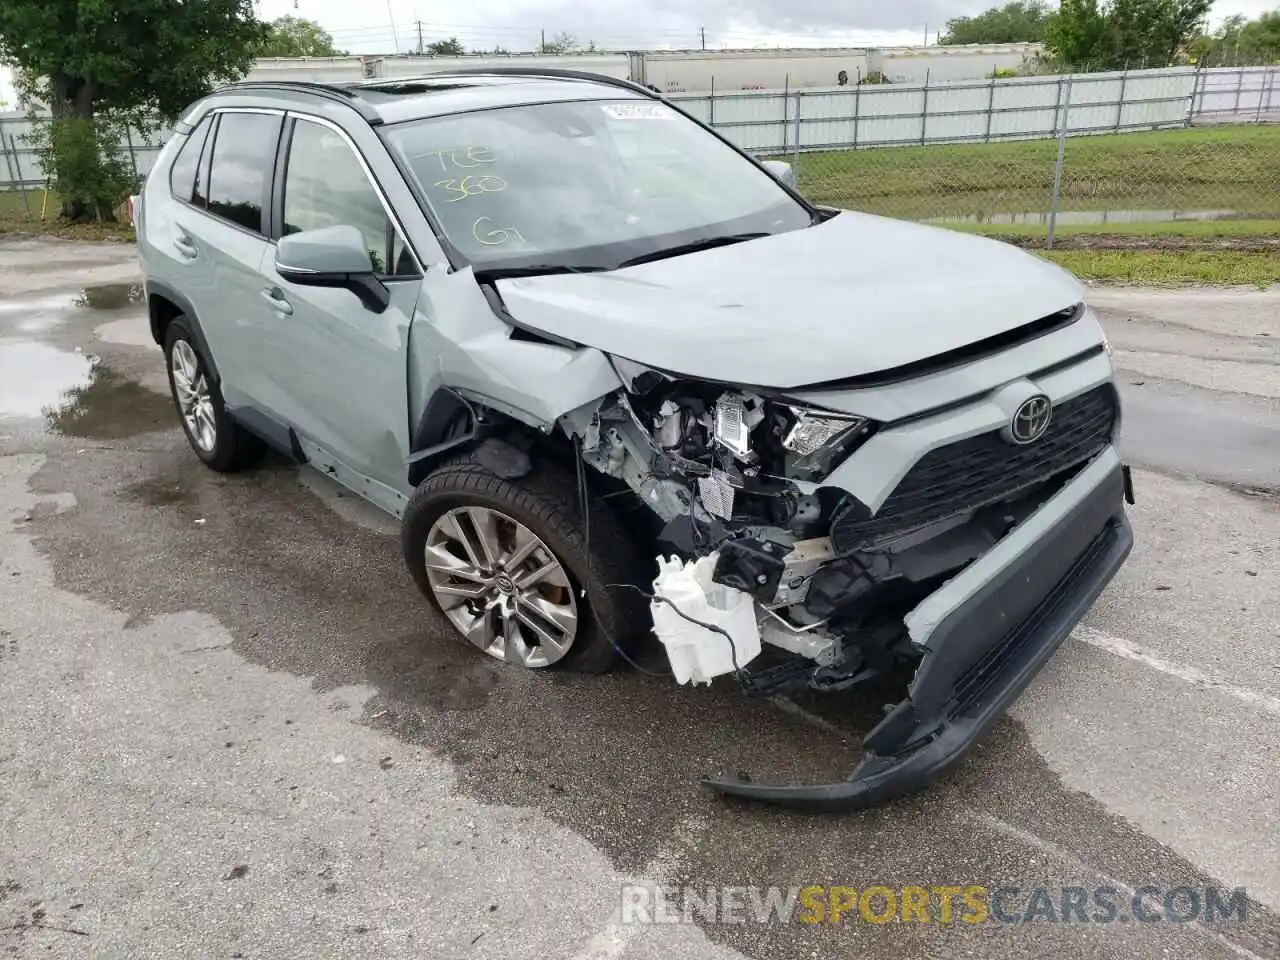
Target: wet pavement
point(230, 727)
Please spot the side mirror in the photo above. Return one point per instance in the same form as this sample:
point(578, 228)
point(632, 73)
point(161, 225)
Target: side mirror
point(332, 257)
point(781, 171)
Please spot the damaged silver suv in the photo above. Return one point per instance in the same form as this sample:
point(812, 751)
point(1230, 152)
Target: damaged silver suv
point(617, 377)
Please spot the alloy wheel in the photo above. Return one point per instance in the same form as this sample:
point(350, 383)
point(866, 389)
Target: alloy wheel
point(501, 586)
point(195, 403)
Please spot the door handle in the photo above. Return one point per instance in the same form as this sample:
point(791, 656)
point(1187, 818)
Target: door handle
point(186, 246)
point(277, 300)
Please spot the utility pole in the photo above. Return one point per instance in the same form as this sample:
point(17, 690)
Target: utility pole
point(419, 38)
point(395, 39)
point(702, 32)
point(542, 47)
point(926, 34)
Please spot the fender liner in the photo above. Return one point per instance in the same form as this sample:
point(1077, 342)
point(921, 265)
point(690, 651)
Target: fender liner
point(449, 424)
point(157, 288)
point(438, 432)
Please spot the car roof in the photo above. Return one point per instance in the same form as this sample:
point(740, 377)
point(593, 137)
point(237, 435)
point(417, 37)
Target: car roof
point(394, 100)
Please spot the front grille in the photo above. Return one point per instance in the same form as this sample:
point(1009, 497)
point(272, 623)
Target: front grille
point(985, 469)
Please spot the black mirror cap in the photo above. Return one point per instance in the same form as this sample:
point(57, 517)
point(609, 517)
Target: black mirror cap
point(372, 292)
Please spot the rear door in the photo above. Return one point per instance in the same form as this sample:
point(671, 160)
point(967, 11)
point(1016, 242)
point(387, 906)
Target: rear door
point(219, 238)
point(341, 367)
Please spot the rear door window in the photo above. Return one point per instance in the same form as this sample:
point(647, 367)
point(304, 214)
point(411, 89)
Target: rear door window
point(244, 152)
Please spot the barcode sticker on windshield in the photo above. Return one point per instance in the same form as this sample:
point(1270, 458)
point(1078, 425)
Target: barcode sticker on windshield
point(636, 111)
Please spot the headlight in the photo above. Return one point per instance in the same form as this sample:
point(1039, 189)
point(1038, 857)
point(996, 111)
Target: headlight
point(816, 442)
point(811, 432)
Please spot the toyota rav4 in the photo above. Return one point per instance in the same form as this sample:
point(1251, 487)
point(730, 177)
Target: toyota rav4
point(575, 340)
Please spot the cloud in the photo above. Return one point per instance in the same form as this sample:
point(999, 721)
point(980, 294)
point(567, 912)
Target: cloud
point(636, 24)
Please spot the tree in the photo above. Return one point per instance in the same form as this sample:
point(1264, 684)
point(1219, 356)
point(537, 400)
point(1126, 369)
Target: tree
point(1085, 34)
point(297, 37)
point(98, 64)
point(1020, 21)
point(1221, 46)
point(446, 48)
point(1260, 39)
point(561, 43)
point(1240, 41)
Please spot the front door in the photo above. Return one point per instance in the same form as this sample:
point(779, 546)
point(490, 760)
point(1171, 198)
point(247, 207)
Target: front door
point(342, 367)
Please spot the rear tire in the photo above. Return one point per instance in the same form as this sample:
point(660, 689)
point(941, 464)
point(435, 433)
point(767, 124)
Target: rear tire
point(221, 443)
point(545, 504)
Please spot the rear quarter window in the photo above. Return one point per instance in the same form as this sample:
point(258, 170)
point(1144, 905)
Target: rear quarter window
point(182, 175)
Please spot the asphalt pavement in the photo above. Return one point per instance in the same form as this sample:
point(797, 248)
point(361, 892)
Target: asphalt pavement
point(230, 727)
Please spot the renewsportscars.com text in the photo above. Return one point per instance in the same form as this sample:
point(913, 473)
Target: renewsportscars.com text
point(972, 904)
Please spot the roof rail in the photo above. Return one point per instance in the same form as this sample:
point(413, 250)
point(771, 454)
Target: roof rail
point(551, 73)
point(341, 93)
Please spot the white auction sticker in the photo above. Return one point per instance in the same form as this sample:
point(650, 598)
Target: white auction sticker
point(636, 111)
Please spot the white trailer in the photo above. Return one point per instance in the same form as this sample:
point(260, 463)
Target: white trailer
point(961, 62)
point(314, 69)
point(608, 64)
point(699, 71)
point(693, 71)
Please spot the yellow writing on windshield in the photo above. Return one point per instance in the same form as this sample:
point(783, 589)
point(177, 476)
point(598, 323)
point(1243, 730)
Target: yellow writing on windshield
point(471, 186)
point(484, 232)
point(465, 157)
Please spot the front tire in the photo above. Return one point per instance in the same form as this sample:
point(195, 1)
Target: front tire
point(509, 565)
point(217, 440)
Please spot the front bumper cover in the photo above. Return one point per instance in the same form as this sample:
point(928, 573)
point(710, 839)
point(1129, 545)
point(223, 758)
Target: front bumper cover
point(986, 634)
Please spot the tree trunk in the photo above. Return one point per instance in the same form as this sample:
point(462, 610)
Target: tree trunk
point(71, 98)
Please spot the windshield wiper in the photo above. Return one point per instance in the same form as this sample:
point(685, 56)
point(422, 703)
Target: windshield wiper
point(693, 246)
point(489, 274)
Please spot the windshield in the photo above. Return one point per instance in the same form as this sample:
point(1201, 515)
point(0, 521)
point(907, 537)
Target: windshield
point(586, 185)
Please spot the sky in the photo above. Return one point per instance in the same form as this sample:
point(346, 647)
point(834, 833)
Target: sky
point(390, 26)
point(385, 26)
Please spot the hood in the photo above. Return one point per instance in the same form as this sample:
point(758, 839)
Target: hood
point(854, 295)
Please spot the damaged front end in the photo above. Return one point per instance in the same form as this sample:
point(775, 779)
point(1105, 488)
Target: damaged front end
point(968, 574)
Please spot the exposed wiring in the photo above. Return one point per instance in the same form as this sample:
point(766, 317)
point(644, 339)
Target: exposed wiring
point(583, 494)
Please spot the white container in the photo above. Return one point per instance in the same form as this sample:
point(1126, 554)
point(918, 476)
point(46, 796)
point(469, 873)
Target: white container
point(696, 653)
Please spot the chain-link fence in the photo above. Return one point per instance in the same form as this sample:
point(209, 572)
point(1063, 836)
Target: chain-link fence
point(1045, 157)
point(1058, 186)
point(1042, 157)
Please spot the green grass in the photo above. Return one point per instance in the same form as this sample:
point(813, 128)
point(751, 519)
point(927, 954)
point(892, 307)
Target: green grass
point(1191, 229)
point(1235, 168)
point(19, 218)
point(1166, 267)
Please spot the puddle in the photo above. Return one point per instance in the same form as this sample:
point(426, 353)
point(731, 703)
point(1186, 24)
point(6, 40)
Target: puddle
point(76, 394)
point(34, 376)
point(1084, 217)
point(29, 305)
point(107, 406)
point(109, 296)
point(127, 331)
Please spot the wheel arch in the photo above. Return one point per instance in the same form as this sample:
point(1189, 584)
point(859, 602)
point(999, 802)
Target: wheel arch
point(164, 305)
point(452, 424)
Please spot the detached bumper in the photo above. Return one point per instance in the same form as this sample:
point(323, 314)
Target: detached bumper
point(986, 634)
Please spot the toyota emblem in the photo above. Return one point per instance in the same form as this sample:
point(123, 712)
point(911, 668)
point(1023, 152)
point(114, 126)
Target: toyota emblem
point(1031, 420)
